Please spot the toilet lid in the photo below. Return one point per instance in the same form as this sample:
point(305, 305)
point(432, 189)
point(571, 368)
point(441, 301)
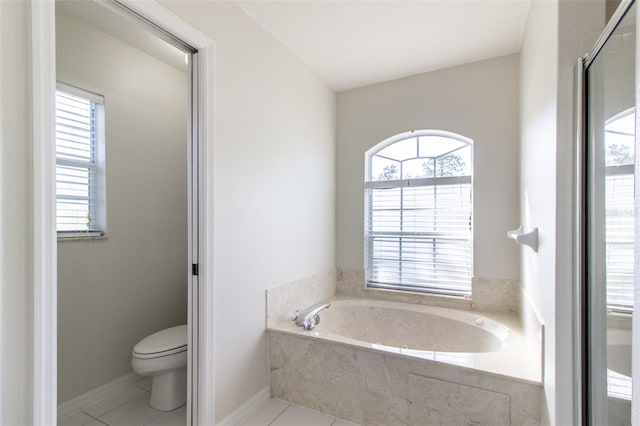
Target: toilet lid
point(171, 340)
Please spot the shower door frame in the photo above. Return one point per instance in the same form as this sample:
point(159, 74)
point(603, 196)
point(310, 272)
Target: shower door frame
point(201, 319)
point(581, 336)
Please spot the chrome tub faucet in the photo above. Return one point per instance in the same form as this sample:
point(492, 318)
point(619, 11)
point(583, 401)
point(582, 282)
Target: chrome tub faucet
point(309, 318)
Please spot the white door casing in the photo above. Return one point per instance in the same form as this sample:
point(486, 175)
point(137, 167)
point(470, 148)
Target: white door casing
point(201, 361)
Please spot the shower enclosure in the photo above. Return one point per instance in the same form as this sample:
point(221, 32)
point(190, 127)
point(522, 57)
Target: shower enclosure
point(606, 222)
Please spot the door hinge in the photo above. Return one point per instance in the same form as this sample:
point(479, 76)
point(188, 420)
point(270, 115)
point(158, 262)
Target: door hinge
point(194, 269)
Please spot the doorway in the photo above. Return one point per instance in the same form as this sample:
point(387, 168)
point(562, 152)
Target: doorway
point(122, 207)
point(122, 203)
point(200, 300)
point(608, 249)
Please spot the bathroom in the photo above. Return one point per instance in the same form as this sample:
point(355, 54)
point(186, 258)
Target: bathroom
point(285, 176)
point(124, 276)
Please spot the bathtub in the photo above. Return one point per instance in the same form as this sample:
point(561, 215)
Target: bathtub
point(377, 324)
point(378, 362)
point(619, 351)
point(619, 381)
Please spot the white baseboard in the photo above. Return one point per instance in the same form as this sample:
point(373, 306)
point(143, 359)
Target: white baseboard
point(246, 409)
point(96, 394)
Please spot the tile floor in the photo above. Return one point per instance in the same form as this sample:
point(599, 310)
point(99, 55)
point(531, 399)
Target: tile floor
point(127, 407)
point(130, 407)
point(276, 412)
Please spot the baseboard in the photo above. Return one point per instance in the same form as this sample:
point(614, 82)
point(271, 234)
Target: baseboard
point(96, 394)
point(246, 409)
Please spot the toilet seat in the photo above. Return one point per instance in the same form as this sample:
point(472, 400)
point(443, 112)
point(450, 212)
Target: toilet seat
point(163, 343)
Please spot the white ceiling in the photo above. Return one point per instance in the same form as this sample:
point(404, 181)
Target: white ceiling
point(355, 43)
point(114, 23)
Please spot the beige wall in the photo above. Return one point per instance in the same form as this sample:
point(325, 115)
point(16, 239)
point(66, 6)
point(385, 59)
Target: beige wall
point(477, 100)
point(116, 291)
point(611, 7)
point(274, 186)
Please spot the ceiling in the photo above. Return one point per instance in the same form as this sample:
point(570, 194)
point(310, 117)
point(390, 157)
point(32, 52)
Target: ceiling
point(115, 23)
point(351, 43)
point(355, 43)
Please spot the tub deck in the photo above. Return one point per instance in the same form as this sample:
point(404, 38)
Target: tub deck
point(519, 359)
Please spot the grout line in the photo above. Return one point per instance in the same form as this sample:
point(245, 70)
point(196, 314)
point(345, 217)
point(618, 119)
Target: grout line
point(137, 384)
point(74, 412)
point(166, 413)
point(119, 406)
point(93, 417)
point(281, 412)
point(111, 395)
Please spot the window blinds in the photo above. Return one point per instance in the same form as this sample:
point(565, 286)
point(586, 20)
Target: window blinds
point(619, 240)
point(76, 164)
point(419, 237)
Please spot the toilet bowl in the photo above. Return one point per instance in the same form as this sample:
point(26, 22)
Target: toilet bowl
point(163, 356)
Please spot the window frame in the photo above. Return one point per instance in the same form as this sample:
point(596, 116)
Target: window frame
point(95, 167)
point(370, 184)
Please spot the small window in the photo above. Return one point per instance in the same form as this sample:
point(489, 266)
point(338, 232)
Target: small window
point(419, 213)
point(80, 184)
point(619, 215)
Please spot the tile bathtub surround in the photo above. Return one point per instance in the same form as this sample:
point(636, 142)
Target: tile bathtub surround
point(435, 402)
point(496, 295)
point(283, 300)
point(351, 282)
point(488, 294)
point(373, 388)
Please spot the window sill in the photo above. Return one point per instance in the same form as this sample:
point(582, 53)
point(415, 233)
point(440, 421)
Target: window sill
point(80, 235)
point(422, 298)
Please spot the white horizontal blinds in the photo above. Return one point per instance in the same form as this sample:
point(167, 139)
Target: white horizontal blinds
point(619, 241)
point(419, 230)
point(76, 165)
point(420, 237)
point(619, 210)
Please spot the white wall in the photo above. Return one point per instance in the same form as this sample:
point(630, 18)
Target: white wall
point(274, 195)
point(113, 292)
point(266, 99)
point(557, 33)
point(477, 100)
point(16, 229)
point(538, 179)
point(274, 186)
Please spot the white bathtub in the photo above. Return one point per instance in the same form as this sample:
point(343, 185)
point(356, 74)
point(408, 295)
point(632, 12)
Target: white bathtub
point(619, 382)
point(619, 351)
point(386, 363)
point(413, 327)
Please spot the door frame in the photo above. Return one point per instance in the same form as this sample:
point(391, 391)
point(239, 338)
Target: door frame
point(586, 405)
point(44, 239)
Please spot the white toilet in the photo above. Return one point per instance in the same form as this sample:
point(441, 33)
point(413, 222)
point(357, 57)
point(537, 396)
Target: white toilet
point(163, 356)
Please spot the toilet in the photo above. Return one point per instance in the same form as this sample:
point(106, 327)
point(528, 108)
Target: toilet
point(163, 356)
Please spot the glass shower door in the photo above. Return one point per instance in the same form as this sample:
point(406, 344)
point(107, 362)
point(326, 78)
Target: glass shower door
point(610, 169)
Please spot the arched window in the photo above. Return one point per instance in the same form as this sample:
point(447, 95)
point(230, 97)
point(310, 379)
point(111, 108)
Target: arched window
point(419, 213)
